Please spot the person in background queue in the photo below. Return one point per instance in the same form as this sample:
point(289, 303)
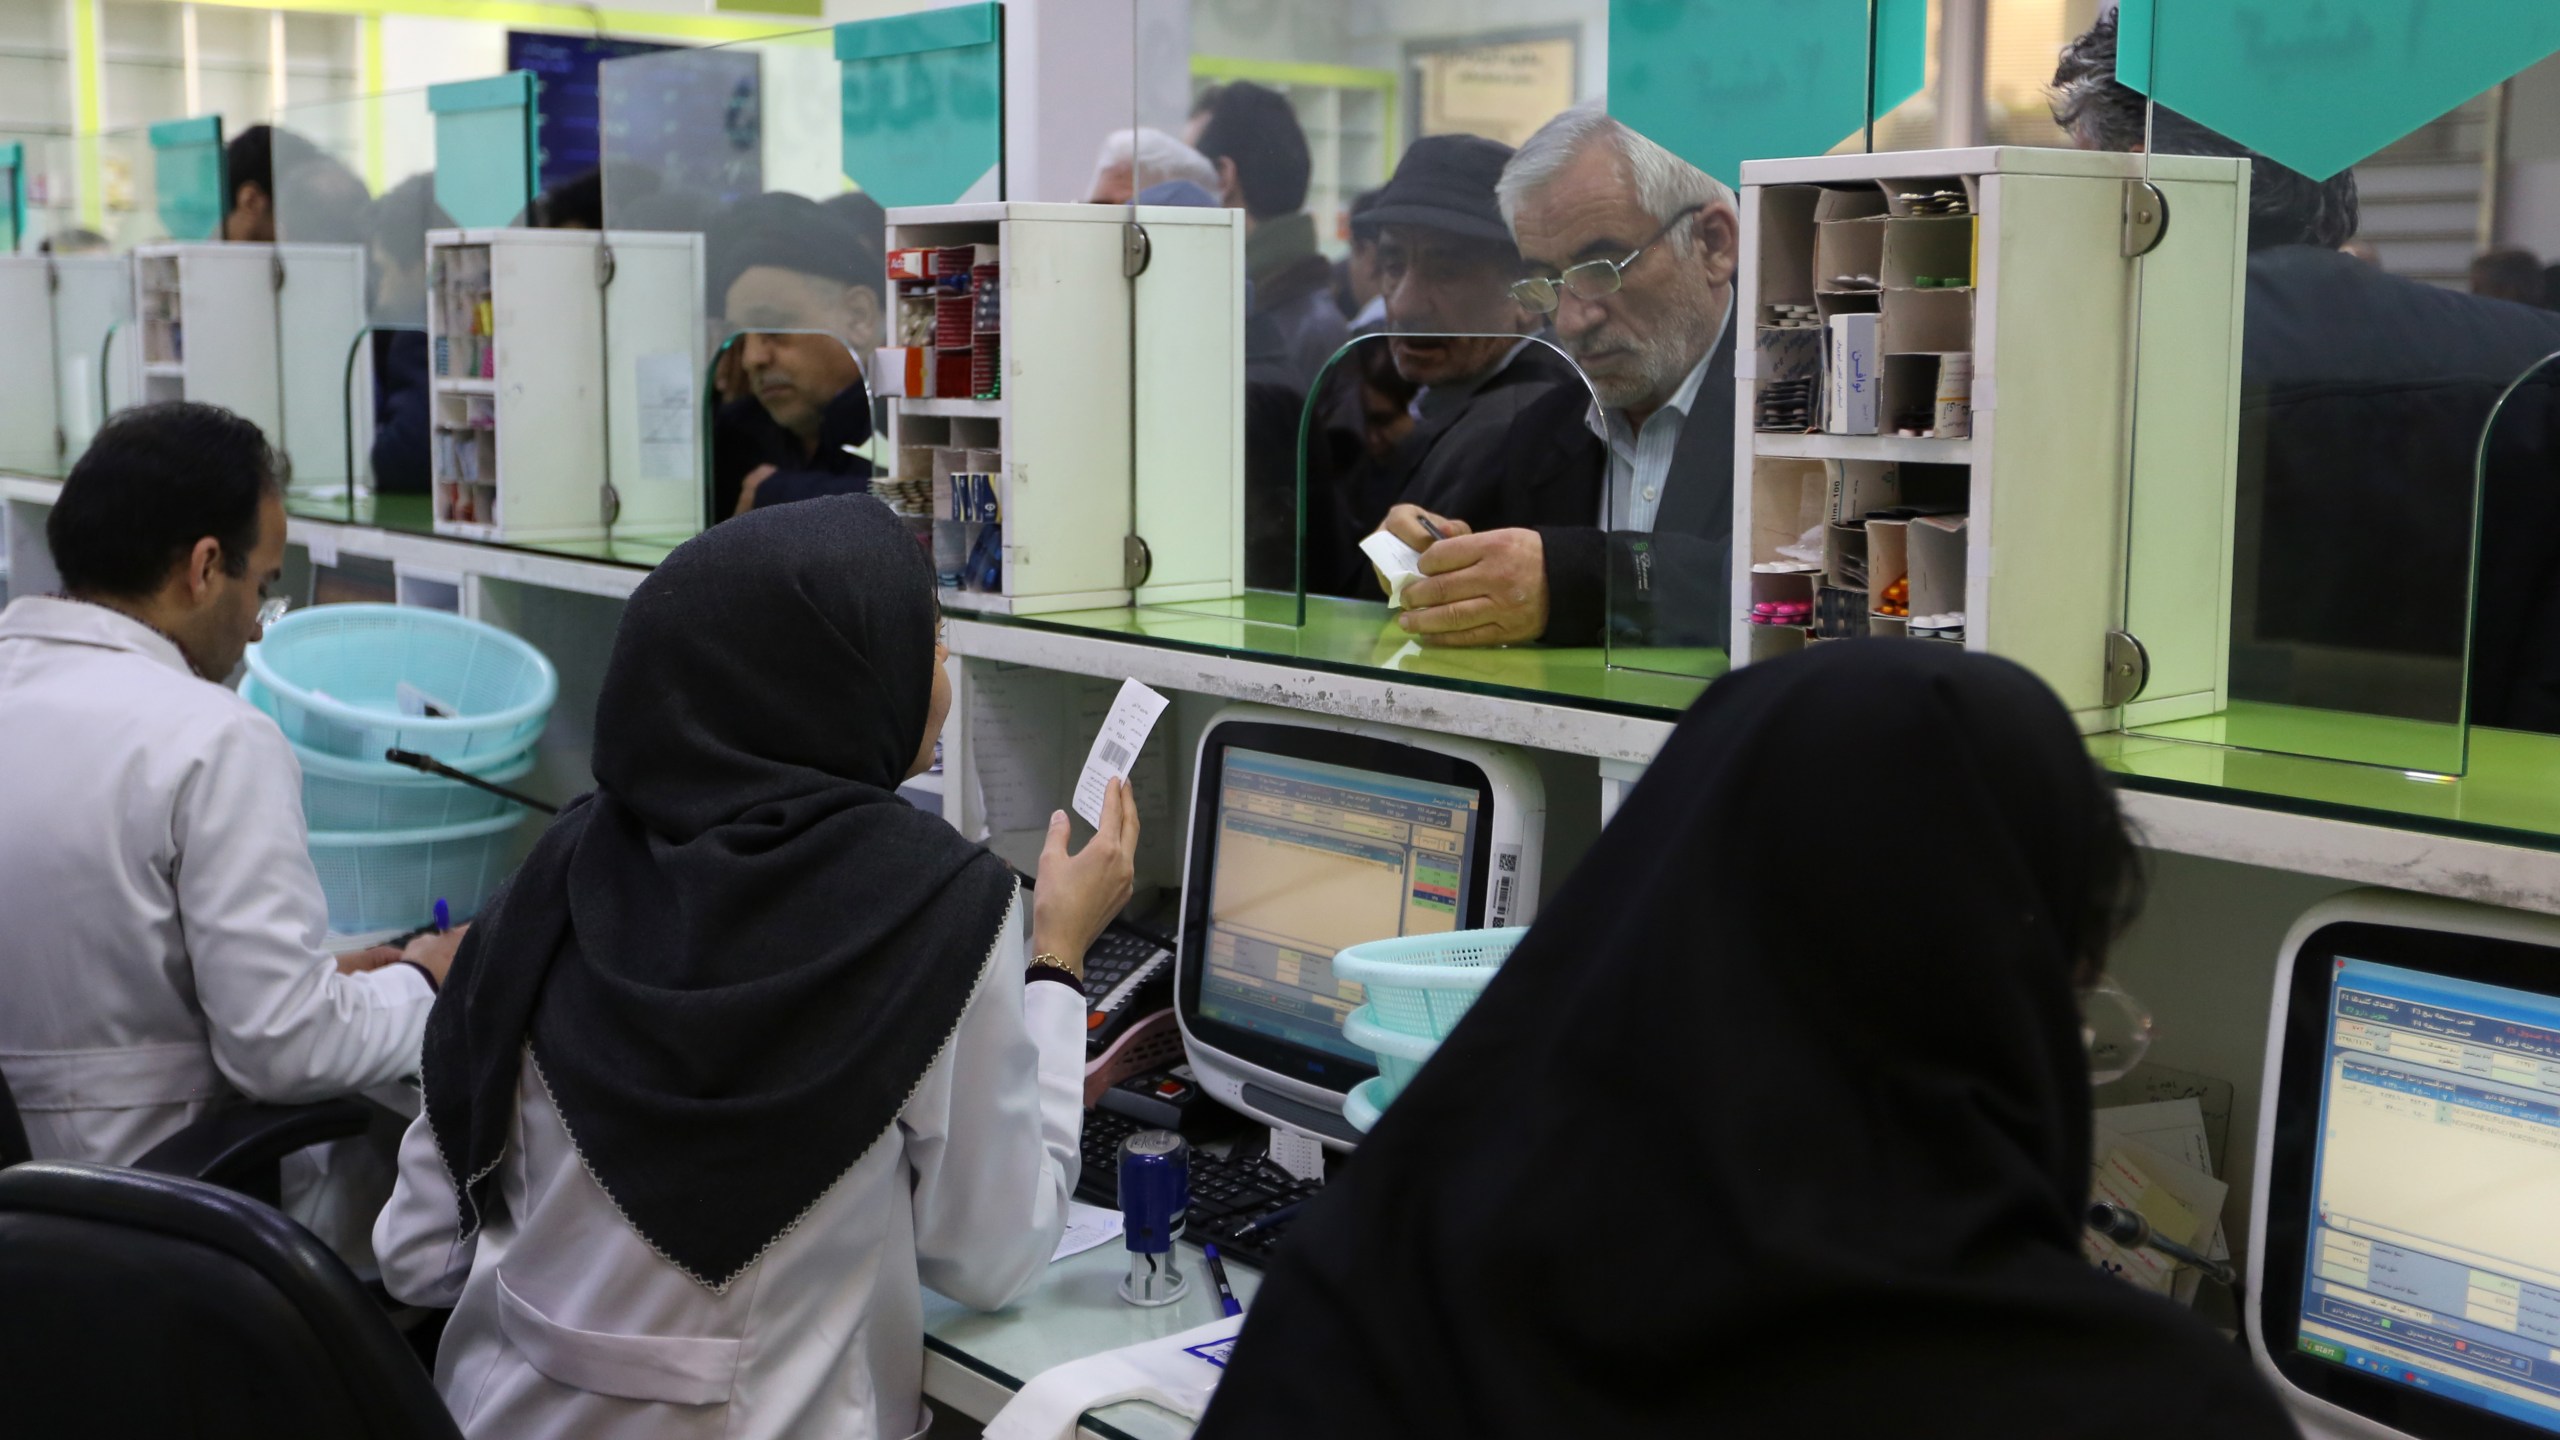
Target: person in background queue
point(1455, 330)
point(1251, 135)
point(802, 297)
point(1632, 250)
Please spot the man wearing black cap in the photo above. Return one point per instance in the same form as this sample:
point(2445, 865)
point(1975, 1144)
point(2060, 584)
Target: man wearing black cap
point(1446, 263)
point(801, 292)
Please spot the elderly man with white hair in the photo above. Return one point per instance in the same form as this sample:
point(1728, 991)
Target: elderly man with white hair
point(1134, 160)
point(1632, 250)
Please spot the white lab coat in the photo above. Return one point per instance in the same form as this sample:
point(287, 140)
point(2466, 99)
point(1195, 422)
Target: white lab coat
point(566, 1323)
point(161, 927)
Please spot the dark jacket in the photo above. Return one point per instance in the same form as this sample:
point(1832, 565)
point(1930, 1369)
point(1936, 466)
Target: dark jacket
point(403, 413)
point(746, 436)
point(1669, 586)
point(2364, 398)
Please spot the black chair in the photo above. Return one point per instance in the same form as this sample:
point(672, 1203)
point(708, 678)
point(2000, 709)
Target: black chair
point(236, 1147)
point(142, 1304)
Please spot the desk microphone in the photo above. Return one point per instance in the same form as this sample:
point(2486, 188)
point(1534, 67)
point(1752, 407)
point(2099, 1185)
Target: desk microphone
point(2127, 1227)
point(428, 765)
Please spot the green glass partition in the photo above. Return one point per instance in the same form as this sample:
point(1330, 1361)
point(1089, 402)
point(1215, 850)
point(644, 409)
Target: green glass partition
point(355, 196)
point(769, 165)
point(2357, 571)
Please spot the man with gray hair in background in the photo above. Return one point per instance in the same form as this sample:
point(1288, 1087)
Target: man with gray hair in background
point(1632, 250)
point(1133, 161)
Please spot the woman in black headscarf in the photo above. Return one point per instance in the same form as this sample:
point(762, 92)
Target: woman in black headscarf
point(747, 1047)
point(1777, 1124)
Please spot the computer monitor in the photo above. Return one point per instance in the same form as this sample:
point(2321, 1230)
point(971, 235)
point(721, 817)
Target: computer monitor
point(2405, 1256)
point(1309, 835)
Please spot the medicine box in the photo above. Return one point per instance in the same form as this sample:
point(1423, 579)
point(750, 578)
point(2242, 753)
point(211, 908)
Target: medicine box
point(1849, 379)
point(1997, 478)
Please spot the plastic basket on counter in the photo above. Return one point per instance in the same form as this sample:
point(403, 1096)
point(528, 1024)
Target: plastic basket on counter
point(392, 879)
point(333, 676)
point(343, 794)
point(1400, 1056)
point(1424, 984)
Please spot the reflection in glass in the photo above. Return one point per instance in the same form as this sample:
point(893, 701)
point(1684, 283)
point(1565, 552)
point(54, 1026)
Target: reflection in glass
point(353, 197)
point(2365, 395)
point(1530, 436)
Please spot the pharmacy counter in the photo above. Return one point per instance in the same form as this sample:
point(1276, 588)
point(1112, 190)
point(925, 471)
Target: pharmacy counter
point(2491, 835)
point(974, 1362)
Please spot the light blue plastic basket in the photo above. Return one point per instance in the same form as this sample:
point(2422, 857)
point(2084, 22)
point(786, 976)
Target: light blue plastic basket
point(1400, 1056)
point(391, 879)
point(1361, 1107)
point(343, 794)
point(332, 676)
point(1424, 984)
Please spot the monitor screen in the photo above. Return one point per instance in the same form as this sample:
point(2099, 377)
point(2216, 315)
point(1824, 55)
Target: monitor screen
point(2430, 1257)
point(1311, 857)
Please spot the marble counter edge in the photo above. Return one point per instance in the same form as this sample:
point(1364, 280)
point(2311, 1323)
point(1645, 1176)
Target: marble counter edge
point(1381, 696)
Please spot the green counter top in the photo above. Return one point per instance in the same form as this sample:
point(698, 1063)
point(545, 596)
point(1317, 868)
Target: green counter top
point(1361, 637)
point(2508, 794)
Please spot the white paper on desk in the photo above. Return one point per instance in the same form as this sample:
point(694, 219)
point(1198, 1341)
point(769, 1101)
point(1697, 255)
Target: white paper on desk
point(1123, 734)
point(1398, 564)
point(1087, 1227)
point(1014, 744)
point(2172, 1127)
point(2193, 1189)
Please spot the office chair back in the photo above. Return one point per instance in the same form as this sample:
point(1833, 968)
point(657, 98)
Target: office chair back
point(13, 1131)
point(141, 1304)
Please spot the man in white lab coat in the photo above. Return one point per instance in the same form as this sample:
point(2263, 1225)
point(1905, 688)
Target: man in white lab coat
point(160, 922)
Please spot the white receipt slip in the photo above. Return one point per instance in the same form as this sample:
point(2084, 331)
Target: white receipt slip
point(1115, 749)
point(1398, 564)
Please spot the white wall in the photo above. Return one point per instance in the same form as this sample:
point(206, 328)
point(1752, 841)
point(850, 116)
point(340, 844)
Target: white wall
point(1373, 33)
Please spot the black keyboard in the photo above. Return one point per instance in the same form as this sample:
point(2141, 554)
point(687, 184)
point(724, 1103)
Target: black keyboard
point(1228, 1193)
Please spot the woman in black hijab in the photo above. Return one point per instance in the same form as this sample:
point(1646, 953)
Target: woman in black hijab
point(1777, 1124)
point(748, 1048)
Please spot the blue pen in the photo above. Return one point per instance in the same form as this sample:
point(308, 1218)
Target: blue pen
point(444, 916)
point(1227, 1303)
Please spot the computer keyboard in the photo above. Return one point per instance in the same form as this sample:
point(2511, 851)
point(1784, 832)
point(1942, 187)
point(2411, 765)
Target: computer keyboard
point(1228, 1193)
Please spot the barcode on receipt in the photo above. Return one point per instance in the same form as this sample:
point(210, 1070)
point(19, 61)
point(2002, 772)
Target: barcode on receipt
point(1115, 755)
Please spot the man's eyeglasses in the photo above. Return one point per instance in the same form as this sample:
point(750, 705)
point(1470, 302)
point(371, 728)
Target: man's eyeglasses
point(1591, 279)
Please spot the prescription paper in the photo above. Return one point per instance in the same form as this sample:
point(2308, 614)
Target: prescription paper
point(1115, 749)
point(1398, 564)
point(1088, 1226)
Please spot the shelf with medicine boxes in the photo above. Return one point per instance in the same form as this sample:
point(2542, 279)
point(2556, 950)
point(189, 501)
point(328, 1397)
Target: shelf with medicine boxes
point(1022, 400)
point(1933, 370)
point(567, 384)
point(59, 312)
point(262, 331)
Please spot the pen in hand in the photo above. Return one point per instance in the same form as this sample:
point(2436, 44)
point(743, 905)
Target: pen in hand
point(1424, 520)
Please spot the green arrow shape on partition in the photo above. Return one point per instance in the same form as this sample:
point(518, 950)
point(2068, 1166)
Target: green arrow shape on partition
point(2321, 84)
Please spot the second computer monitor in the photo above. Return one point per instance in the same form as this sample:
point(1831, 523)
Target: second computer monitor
point(2408, 1218)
